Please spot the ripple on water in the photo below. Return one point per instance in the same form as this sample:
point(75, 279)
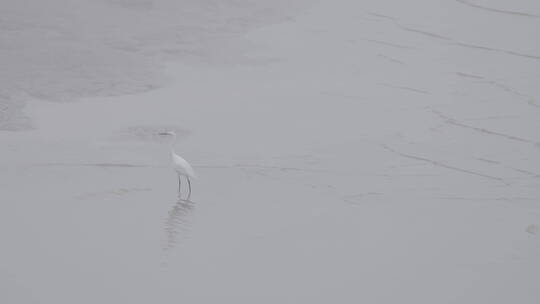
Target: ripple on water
point(149, 133)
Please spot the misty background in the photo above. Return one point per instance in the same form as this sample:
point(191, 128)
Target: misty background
point(345, 151)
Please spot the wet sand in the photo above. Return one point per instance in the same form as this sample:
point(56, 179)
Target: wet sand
point(373, 152)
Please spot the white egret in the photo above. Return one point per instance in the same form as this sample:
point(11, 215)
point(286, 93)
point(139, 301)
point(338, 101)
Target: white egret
point(180, 165)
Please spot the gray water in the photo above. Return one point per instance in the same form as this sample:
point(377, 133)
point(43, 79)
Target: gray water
point(345, 151)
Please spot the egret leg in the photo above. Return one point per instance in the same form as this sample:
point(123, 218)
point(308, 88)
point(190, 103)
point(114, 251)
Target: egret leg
point(179, 186)
point(189, 184)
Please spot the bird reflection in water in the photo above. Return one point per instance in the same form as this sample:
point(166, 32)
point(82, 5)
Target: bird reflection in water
point(177, 223)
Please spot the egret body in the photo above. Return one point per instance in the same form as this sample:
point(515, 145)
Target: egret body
point(180, 165)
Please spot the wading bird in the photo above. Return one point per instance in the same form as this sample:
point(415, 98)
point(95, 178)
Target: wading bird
point(180, 165)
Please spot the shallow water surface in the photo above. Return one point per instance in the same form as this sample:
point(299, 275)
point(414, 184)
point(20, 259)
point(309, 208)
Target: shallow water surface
point(345, 152)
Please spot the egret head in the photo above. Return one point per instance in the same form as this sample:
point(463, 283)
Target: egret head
point(169, 134)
